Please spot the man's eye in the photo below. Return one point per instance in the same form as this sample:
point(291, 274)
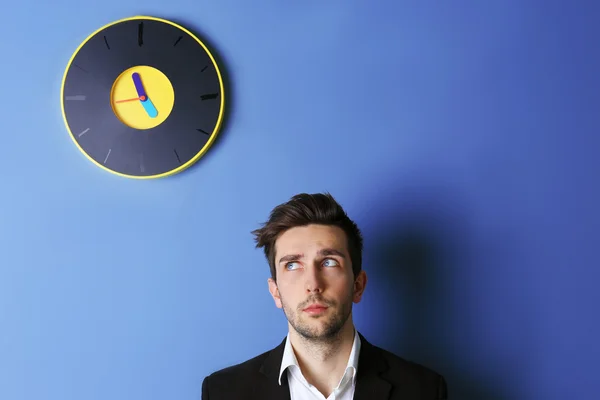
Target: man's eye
point(330, 263)
point(291, 265)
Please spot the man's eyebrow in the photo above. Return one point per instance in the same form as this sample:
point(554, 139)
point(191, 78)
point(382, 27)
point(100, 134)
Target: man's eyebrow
point(322, 253)
point(331, 252)
point(290, 257)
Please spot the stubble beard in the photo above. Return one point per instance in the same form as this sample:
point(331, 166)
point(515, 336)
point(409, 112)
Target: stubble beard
point(329, 330)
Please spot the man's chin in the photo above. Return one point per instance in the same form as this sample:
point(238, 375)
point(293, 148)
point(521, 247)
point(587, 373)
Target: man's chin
point(317, 330)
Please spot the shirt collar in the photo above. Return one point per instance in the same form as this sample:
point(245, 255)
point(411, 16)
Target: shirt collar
point(289, 358)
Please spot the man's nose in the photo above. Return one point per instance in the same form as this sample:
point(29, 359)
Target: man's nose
point(314, 280)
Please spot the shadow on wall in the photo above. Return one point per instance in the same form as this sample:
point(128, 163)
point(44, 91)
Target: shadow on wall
point(419, 253)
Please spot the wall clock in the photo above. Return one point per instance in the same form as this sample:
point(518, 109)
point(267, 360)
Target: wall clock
point(142, 97)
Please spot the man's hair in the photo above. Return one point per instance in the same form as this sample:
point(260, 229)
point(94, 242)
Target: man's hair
point(305, 209)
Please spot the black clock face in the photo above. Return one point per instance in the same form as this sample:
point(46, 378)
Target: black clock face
point(143, 98)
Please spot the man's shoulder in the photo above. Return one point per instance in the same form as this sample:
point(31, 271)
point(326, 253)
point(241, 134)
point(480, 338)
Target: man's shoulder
point(234, 380)
point(404, 372)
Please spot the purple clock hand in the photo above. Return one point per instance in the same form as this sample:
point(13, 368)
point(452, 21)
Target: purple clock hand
point(137, 81)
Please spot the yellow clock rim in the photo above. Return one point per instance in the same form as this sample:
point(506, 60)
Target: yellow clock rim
point(213, 135)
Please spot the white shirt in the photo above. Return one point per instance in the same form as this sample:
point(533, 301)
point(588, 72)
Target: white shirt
point(300, 389)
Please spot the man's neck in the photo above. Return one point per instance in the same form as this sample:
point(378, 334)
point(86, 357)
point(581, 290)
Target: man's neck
point(323, 363)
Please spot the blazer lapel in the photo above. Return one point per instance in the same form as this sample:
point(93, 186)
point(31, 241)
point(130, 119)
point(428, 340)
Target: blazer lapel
point(369, 383)
point(269, 388)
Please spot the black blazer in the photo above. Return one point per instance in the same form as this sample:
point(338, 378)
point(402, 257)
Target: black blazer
point(381, 376)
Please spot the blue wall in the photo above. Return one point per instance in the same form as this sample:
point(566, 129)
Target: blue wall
point(462, 136)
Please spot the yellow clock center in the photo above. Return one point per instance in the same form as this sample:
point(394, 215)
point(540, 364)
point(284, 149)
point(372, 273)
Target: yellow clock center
point(142, 97)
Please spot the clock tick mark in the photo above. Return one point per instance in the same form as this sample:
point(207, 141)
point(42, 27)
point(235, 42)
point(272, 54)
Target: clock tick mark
point(108, 154)
point(141, 34)
point(203, 69)
point(80, 68)
point(83, 133)
point(209, 96)
point(203, 131)
point(78, 97)
point(177, 155)
point(106, 42)
point(177, 41)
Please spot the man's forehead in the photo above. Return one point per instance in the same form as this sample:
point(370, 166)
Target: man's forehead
point(311, 239)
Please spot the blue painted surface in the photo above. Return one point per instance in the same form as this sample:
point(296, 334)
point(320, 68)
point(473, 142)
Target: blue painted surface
point(461, 136)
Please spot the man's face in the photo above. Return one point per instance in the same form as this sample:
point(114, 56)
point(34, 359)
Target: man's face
point(315, 285)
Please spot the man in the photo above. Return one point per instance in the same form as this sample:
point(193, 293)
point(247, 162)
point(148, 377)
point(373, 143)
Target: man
point(314, 252)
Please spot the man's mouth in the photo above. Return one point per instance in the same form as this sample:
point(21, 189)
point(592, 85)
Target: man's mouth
point(315, 308)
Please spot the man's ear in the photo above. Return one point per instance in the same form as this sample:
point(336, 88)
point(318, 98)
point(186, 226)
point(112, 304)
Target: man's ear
point(274, 290)
point(359, 286)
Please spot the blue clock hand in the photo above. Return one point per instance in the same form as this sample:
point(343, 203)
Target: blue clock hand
point(144, 99)
point(149, 107)
point(137, 81)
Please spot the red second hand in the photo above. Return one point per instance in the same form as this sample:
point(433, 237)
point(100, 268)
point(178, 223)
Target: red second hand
point(134, 99)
